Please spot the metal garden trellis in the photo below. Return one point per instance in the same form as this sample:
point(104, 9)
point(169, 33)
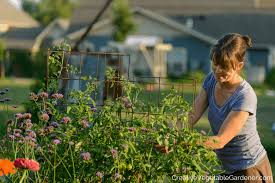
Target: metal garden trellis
point(94, 64)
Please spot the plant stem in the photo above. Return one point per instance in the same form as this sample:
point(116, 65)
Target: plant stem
point(72, 158)
point(54, 166)
point(23, 177)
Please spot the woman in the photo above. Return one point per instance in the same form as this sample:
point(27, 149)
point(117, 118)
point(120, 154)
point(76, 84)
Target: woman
point(232, 103)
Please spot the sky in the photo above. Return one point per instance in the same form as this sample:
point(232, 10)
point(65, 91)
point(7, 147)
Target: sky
point(16, 3)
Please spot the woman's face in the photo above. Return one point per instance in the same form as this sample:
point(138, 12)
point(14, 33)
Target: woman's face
point(223, 75)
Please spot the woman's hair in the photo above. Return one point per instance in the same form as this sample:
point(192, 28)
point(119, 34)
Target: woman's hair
point(230, 50)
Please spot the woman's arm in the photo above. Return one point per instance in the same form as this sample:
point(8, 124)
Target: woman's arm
point(229, 129)
point(201, 104)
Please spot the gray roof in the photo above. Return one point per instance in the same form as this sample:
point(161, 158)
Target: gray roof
point(260, 27)
point(15, 17)
point(86, 10)
point(212, 18)
point(21, 38)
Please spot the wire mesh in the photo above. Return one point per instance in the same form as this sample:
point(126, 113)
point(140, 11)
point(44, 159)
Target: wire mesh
point(93, 65)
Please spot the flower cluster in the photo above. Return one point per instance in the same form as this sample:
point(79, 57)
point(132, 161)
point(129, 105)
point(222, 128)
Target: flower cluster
point(24, 163)
point(6, 167)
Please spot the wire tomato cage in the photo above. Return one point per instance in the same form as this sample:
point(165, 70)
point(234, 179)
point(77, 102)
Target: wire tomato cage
point(113, 75)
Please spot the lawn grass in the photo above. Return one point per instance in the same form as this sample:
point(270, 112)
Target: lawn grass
point(18, 91)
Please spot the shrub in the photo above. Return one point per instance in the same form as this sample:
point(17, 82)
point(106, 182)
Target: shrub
point(270, 78)
point(123, 140)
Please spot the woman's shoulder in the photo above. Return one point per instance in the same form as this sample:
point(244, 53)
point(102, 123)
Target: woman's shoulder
point(208, 81)
point(247, 91)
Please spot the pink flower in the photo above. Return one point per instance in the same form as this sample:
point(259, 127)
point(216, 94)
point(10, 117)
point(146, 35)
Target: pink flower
point(66, 120)
point(31, 133)
point(43, 95)
point(145, 130)
point(99, 174)
point(44, 117)
point(27, 115)
point(114, 153)
point(17, 131)
point(17, 135)
point(28, 138)
point(85, 123)
point(56, 141)
point(12, 137)
point(86, 156)
point(28, 124)
point(18, 116)
point(57, 96)
point(131, 129)
point(24, 163)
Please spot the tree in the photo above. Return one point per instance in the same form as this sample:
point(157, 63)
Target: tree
point(46, 11)
point(2, 57)
point(91, 25)
point(122, 20)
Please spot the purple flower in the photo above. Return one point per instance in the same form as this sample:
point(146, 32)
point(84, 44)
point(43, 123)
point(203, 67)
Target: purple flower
point(12, 137)
point(85, 123)
point(28, 138)
point(28, 124)
point(55, 124)
point(99, 174)
point(93, 109)
point(17, 131)
point(117, 176)
point(31, 133)
point(17, 135)
point(66, 120)
point(114, 153)
point(18, 116)
point(131, 129)
point(57, 96)
point(145, 130)
point(53, 135)
point(86, 156)
point(56, 141)
point(49, 129)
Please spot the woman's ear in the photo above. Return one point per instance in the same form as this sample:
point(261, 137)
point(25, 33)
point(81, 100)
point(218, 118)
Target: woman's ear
point(240, 65)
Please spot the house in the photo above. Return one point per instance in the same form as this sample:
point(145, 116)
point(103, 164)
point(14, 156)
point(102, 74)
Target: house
point(23, 37)
point(190, 27)
point(154, 31)
point(259, 26)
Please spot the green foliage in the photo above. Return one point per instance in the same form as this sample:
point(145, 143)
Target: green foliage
point(124, 140)
point(46, 11)
point(270, 78)
point(2, 55)
point(2, 50)
point(122, 20)
point(20, 64)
